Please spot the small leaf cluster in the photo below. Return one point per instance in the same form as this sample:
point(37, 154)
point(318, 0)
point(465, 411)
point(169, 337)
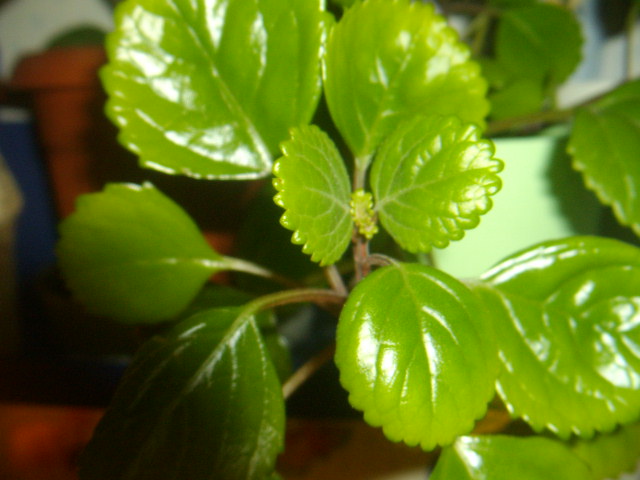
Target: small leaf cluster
point(371, 125)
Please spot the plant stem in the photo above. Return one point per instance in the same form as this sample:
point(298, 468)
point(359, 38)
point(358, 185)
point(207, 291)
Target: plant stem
point(533, 120)
point(302, 374)
point(481, 26)
point(360, 172)
point(335, 280)
point(380, 260)
point(244, 266)
point(321, 297)
point(360, 243)
point(360, 256)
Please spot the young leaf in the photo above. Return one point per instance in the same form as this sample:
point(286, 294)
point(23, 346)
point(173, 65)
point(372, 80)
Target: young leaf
point(432, 179)
point(391, 59)
point(131, 253)
point(209, 88)
point(201, 402)
point(605, 142)
point(313, 187)
point(528, 38)
point(500, 457)
point(566, 321)
point(610, 455)
point(414, 352)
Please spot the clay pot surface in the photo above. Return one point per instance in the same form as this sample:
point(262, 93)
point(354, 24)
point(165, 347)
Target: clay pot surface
point(67, 98)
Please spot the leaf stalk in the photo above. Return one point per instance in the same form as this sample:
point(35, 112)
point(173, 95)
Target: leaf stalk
point(321, 297)
point(244, 266)
point(302, 374)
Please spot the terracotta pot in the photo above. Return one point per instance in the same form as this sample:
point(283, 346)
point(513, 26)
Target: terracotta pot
point(64, 87)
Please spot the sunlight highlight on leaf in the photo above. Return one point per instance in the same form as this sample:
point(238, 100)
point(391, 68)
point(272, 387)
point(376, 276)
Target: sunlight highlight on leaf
point(567, 321)
point(414, 354)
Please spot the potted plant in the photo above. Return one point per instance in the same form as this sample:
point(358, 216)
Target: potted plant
point(545, 343)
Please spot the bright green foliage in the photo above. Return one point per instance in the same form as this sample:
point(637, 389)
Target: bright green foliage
point(213, 89)
point(539, 42)
point(432, 179)
point(500, 457)
point(413, 349)
point(566, 322)
point(313, 187)
point(209, 88)
point(610, 455)
point(605, 143)
point(388, 60)
point(203, 399)
point(131, 253)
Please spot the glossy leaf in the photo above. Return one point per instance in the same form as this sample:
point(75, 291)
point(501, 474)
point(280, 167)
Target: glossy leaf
point(313, 187)
point(604, 143)
point(131, 253)
point(500, 457)
point(414, 352)
point(568, 331)
point(610, 455)
point(432, 179)
point(528, 38)
point(209, 88)
point(201, 402)
point(388, 60)
point(215, 295)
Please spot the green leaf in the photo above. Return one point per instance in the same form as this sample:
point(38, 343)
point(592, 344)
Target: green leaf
point(528, 40)
point(313, 187)
point(214, 295)
point(391, 59)
point(604, 143)
point(131, 253)
point(414, 351)
point(209, 88)
point(566, 322)
point(432, 179)
point(609, 456)
point(499, 457)
point(520, 97)
point(201, 402)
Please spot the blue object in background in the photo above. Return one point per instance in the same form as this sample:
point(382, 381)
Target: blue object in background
point(36, 226)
